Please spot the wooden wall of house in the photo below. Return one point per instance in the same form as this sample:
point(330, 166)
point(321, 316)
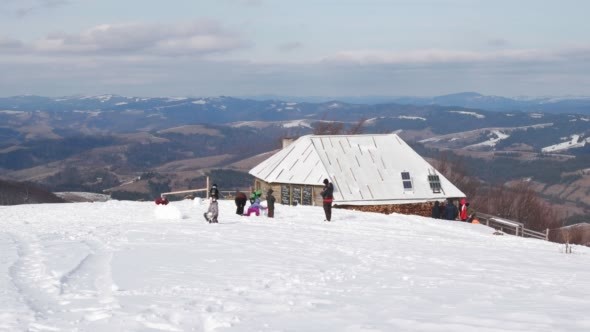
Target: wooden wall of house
point(279, 190)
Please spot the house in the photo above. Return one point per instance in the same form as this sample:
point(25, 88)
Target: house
point(378, 173)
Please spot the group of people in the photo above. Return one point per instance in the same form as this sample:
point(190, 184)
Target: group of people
point(449, 211)
point(241, 199)
point(255, 207)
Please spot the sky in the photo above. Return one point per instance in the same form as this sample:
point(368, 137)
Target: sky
point(294, 48)
point(137, 266)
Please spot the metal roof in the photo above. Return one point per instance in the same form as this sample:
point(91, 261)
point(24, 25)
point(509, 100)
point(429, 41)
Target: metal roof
point(365, 169)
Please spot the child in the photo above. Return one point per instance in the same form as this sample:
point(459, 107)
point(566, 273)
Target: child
point(254, 208)
point(473, 219)
point(212, 212)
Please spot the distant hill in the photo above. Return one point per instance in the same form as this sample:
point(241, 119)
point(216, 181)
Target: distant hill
point(559, 105)
point(14, 193)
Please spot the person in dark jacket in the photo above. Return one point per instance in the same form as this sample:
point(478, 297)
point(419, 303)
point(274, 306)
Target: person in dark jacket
point(213, 192)
point(436, 210)
point(270, 203)
point(328, 196)
point(240, 200)
point(451, 211)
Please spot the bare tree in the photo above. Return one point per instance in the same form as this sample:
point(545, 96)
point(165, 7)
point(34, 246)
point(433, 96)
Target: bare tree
point(324, 127)
point(328, 128)
point(455, 171)
point(358, 127)
point(519, 202)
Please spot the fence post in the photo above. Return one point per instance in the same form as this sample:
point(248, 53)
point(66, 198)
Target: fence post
point(208, 188)
point(547, 234)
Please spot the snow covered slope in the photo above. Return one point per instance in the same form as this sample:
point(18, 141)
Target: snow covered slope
point(573, 143)
point(132, 266)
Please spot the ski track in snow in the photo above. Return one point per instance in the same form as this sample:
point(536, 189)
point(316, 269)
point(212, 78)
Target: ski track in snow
point(125, 266)
point(83, 293)
point(30, 276)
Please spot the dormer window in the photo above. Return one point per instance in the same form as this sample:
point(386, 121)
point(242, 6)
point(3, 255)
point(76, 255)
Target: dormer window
point(407, 181)
point(434, 181)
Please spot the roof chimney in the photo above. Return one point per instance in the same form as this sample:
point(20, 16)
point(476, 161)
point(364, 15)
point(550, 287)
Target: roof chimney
point(287, 141)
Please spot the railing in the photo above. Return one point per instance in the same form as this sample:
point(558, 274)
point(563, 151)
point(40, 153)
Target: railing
point(536, 235)
point(205, 190)
point(512, 227)
point(231, 194)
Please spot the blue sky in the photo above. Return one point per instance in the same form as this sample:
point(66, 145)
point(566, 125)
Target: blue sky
point(294, 48)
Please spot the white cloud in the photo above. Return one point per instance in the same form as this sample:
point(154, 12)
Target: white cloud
point(195, 38)
point(191, 59)
point(436, 56)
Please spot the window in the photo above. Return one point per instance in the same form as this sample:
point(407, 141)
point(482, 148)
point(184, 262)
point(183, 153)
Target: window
point(407, 181)
point(434, 181)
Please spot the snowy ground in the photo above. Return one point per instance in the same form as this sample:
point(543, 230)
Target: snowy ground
point(135, 266)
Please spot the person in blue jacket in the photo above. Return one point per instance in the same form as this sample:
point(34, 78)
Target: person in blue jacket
point(451, 210)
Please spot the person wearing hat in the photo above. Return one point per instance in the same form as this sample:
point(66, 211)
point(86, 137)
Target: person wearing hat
point(270, 203)
point(213, 192)
point(327, 195)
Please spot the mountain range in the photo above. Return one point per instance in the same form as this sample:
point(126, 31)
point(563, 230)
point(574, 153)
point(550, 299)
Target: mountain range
point(561, 104)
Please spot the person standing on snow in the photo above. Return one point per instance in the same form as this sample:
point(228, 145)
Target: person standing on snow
point(450, 210)
point(213, 212)
point(240, 200)
point(436, 210)
point(328, 196)
point(463, 210)
point(270, 203)
point(213, 192)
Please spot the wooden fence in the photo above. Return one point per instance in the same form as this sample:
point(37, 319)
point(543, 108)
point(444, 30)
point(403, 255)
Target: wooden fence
point(511, 227)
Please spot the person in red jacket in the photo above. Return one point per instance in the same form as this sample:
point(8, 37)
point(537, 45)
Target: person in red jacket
point(161, 200)
point(463, 210)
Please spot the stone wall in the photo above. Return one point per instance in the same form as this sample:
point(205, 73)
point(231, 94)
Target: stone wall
point(420, 209)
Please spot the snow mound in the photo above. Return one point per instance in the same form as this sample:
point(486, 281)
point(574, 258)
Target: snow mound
point(167, 212)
